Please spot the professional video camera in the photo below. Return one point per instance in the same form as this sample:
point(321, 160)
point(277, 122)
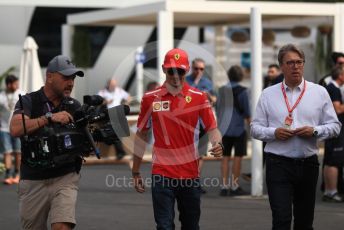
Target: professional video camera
point(101, 124)
point(57, 144)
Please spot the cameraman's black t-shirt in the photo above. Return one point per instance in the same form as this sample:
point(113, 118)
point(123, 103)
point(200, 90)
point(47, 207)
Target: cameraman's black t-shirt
point(27, 172)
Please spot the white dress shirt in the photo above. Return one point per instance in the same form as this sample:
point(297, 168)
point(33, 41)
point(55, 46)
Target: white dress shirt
point(115, 96)
point(315, 110)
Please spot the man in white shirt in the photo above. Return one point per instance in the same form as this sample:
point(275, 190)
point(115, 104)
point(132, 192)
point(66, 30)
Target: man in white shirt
point(114, 96)
point(9, 145)
point(290, 116)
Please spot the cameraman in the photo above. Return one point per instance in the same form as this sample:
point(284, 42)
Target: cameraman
point(50, 190)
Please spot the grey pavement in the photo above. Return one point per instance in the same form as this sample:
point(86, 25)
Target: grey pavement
point(106, 202)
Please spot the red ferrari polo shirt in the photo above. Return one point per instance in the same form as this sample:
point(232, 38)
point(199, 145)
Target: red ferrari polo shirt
point(175, 121)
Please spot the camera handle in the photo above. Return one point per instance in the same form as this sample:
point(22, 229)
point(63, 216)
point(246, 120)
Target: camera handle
point(25, 137)
point(90, 139)
point(22, 113)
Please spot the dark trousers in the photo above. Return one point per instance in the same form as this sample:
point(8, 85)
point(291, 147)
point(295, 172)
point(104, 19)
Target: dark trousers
point(165, 191)
point(264, 154)
point(291, 187)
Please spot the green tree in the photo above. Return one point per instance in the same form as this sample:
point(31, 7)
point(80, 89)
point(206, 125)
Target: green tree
point(81, 47)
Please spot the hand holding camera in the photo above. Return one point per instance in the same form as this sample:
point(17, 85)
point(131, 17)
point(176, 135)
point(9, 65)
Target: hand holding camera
point(62, 117)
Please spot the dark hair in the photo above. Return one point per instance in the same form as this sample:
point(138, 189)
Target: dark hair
point(197, 60)
point(336, 55)
point(336, 71)
point(235, 73)
point(10, 79)
point(274, 66)
point(289, 48)
point(152, 85)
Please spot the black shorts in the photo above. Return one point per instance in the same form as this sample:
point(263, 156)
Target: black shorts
point(330, 157)
point(239, 143)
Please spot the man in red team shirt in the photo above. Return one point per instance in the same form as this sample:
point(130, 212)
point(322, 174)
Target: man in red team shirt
point(175, 111)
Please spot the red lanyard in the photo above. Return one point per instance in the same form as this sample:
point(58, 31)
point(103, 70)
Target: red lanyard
point(290, 110)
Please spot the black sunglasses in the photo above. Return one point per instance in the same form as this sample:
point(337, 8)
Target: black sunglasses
point(198, 68)
point(177, 71)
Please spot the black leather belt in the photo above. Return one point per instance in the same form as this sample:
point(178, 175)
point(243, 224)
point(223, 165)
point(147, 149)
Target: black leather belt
point(313, 158)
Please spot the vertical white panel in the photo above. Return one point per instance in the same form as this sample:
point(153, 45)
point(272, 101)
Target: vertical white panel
point(220, 74)
point(256, 79)
point(165, 39)
point(67, 35)
point(139, 73)
point(338, 33)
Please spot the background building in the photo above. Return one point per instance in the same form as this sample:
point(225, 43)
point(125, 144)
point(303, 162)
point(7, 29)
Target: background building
point(108, 50)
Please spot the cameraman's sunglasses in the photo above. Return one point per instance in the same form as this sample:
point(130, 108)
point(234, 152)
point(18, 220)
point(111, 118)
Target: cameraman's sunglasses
point(173, 71)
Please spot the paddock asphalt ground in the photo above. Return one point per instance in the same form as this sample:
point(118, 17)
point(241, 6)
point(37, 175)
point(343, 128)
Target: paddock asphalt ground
point(106, 201)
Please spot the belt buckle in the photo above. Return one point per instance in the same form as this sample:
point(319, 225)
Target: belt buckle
point(299, 160)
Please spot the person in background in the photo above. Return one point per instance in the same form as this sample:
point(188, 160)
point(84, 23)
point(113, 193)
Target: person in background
point(290, 117)
point(273, 76)
point(113, 96)
point(231, 118)
point(338, 61)
point(332, 161)
point(9, 145)
point(199, 81)
point(152, 85)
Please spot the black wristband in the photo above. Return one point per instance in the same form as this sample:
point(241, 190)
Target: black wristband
point(135, 174)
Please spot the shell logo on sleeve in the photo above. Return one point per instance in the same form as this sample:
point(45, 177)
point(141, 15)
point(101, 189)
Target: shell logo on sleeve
point(156, 106)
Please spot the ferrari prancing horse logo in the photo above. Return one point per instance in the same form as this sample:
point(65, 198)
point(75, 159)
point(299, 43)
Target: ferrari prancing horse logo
point(177, 56)
point(188, 99)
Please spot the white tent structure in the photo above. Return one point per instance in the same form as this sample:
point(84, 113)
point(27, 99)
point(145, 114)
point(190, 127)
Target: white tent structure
point(30, 75)
point(167, 14)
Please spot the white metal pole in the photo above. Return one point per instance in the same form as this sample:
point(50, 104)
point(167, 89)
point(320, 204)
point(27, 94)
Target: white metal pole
point(256, 80)
point(139, 73)
point(165, 39)
point(220, 55)
point(67, 35)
